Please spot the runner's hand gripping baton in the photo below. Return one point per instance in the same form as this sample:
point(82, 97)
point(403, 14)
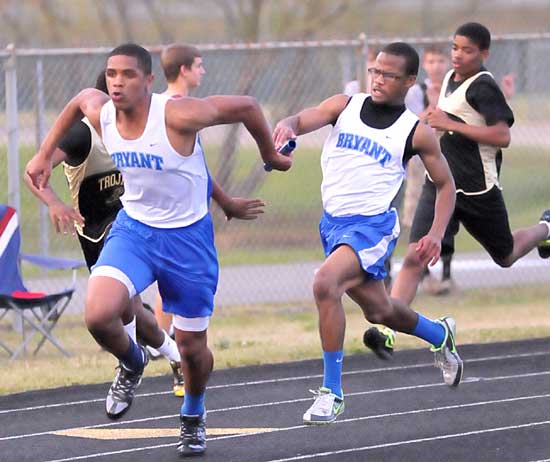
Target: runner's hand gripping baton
point(285, 149)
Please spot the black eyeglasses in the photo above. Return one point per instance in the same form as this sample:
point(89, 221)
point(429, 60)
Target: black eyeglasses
point(385, 75)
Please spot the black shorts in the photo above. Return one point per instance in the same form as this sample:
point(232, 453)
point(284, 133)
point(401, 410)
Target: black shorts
point(484, 216)
point(91, 250)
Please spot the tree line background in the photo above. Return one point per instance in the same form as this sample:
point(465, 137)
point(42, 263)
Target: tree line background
point(77, 23)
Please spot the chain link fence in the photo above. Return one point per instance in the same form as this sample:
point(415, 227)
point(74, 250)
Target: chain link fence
point(273, 258)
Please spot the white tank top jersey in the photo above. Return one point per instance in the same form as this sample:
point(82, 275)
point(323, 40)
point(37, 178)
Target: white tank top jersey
point(363, 166)
point(162, 188)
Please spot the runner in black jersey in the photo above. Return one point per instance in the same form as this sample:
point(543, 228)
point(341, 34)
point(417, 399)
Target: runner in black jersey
point(474, 120)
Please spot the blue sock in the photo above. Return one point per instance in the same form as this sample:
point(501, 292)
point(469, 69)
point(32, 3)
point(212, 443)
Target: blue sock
point(133, 359)
point(430, 331)
point(193, 404)
point(332, 361)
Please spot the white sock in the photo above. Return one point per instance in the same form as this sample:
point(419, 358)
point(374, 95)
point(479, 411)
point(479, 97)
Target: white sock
point(130, 329)
point(169, 349)
point(543, 222)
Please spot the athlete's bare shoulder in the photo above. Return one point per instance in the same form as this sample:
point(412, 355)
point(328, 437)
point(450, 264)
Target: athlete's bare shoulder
point(335, 104)
point(91, 101)
point(424, 138)
point(184, 113)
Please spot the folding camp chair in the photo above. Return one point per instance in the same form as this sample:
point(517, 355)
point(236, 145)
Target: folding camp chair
point(36, 310)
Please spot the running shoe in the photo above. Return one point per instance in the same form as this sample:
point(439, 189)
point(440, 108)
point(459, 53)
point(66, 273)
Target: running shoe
point(325, 409)
point(192, 435)
point(380, 341)
point(446, 356)
point(122, 391)
point(179, 387)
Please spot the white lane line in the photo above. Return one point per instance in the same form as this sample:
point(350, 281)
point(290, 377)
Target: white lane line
point(112, 453)
point(268, 404)
point(413, 441)
point(352, 420)
point(284, 379)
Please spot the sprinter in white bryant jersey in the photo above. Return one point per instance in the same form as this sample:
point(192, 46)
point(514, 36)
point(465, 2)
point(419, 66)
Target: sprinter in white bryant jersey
point(164, 233)
point(363, 163)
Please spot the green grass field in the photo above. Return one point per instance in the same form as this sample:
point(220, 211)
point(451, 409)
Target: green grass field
point(269, 334)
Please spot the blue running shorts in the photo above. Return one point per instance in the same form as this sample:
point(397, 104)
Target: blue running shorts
point(183, 261)
point(372, 238)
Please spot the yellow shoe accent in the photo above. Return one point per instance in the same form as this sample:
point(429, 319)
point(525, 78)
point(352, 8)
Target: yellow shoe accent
point(179, 386)
point(179, 391)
